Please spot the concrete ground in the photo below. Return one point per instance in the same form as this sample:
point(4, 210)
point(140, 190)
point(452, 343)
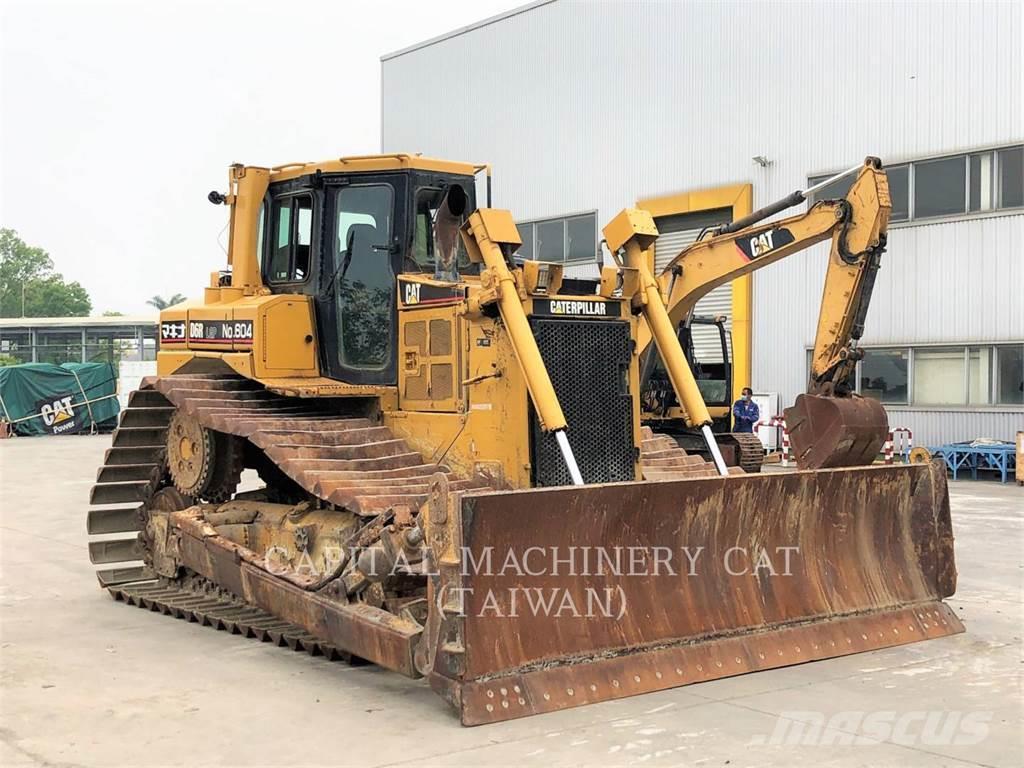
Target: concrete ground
point(85, 681)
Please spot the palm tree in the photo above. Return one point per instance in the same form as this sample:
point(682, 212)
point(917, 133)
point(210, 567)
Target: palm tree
point(161, 303)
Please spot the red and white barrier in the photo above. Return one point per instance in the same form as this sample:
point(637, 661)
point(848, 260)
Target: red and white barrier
point(779, 423)
point(906, 440)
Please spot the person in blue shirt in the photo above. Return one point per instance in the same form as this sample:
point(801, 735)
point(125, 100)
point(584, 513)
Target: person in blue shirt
point(744, 412)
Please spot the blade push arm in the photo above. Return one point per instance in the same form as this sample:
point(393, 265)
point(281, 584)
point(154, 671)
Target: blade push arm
point(632, 232)
point(484, 234)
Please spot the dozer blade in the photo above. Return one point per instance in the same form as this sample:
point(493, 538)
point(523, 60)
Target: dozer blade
point(554, 598)
point(836, 431)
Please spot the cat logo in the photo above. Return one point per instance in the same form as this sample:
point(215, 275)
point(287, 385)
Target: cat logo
point(762, 243)
point(59, 415)
point(412, 293)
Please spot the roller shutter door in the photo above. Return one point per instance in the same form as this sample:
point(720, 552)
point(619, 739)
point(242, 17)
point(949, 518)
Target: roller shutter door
point(675, 233)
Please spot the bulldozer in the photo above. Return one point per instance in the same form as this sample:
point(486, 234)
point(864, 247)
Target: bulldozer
point(456, 481)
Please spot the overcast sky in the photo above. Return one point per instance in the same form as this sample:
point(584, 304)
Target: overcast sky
point(117, 118)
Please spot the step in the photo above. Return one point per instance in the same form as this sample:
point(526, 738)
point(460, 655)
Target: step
point(118, 493)
point(113, 520)
point(130, 437)
point(118, 551)
point(147, 398)
point(135, 455)
point(116, 473)
point(147, 417)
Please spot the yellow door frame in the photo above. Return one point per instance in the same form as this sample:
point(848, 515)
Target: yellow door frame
point(739, 198)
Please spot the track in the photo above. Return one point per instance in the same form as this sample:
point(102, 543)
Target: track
point(331, 453)
point(343, 459)
point(664, 459)
point(207, 605)
point(750, 450)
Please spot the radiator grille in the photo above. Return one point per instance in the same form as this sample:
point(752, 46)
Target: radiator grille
point(588, 361)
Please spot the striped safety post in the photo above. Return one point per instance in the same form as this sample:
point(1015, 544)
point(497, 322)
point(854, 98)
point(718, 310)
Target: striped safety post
point(779, 423)
point(906, 438)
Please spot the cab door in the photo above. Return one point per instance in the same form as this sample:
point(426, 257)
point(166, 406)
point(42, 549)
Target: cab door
point(357, 316)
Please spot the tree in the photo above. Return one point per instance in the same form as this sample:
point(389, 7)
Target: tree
point(113, 313)
point(30, 287)
point(161, 303)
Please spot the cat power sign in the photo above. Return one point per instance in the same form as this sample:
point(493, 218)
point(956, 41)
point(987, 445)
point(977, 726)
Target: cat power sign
point(58, 415)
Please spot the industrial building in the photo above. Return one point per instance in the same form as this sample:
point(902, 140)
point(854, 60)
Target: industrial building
point(106, 339)
point(704, 111)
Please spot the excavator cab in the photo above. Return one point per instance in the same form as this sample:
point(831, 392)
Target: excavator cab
point(706, 342)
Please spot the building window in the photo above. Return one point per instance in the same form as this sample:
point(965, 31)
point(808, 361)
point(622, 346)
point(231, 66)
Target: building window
point(1010, 372)
point(978, 375)
point(568, 239)
point(939, 376)
point(884, 375)
point(952, 185)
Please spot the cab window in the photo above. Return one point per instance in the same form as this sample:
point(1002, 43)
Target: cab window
point(422, 256)
point(293, 233)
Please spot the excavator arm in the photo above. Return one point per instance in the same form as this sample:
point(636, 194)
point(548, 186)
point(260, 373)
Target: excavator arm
point(856, 225)
point(829, 426)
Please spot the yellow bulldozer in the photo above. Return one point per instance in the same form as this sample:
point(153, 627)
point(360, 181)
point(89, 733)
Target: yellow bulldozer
point(457, 482)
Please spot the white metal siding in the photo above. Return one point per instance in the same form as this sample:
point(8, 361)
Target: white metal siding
point(594, 105)
point(934, 427)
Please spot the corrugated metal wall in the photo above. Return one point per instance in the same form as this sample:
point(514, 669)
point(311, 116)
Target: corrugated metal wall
point(934, 427)
point(594, 105)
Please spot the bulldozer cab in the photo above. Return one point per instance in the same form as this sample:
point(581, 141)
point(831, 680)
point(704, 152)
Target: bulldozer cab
point(343, 238)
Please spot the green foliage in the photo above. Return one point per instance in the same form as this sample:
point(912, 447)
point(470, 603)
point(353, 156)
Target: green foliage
point(6, 359)
point(30, 287)
point(113, 313)
point(161, 303)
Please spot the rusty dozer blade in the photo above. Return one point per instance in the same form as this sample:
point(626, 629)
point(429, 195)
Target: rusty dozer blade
point(836, 431)
point(554, 598)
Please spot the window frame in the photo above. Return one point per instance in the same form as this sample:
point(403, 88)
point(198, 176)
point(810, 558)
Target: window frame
point(995, 349)
point(336, 251)
point(912, 218)
point(564, 221)
point(271, 236)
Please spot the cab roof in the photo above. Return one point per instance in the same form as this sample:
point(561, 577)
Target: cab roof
point(365, 163)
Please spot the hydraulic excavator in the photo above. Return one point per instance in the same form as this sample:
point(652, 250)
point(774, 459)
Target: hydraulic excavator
point(830, 425)
point(456, 484)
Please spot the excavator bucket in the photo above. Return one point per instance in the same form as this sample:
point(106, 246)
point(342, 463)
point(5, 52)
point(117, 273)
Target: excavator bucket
point(554, 598)
point(836, 431)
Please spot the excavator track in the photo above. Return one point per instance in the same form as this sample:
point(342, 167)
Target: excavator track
point(664, 459)
point(749, 450)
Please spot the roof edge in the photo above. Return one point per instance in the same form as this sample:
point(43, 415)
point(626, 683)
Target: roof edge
point(468, 28)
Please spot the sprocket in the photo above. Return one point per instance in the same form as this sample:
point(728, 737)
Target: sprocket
point(203, 463)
